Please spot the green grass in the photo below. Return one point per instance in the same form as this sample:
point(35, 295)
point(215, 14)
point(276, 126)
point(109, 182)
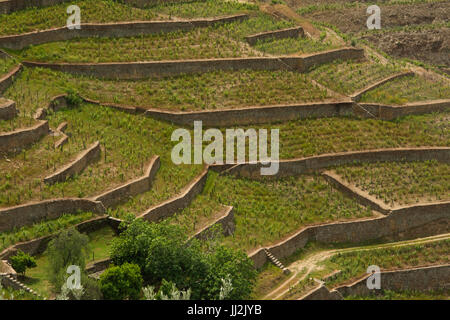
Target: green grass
point(293, 45)
point(268, 278)
point(19, 122)
point(355, 264)
point(408, 89)
point(221, 89)
point(200, 213)
point(169, 181)
point(130, 142)
point(37, 278)
point(208, 8)
point(309, 137)
point(11, 294)
point(267, 211)
point(6, 65)
point(100, 243)
point(198, 43)
point(401, 183)
point(42, 229)
point(350, 76)
point(102, 11)
point(257, 23)
point(92, 11)
point(219, 41)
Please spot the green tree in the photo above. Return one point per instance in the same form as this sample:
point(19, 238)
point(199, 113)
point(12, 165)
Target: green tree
point(121, 282)
point(227, 264)
point(69, 248)
point(22, 261)
point(163, 252)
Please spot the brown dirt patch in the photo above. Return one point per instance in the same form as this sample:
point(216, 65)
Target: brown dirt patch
point(353, 20)
point(430, 46)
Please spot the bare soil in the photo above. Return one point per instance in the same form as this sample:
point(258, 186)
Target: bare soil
point(353, 20)
point(431, 46)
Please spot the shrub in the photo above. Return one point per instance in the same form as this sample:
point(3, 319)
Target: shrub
point(22, 261)
point(73, 98)
point(121, 282)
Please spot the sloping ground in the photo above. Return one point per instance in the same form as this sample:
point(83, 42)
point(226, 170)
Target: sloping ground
point(318, 262)
point(411, 30)
point(429, 45)
point(265, 211)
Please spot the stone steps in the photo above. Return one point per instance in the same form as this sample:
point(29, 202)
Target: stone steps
point(276, 262)
point(16, 284)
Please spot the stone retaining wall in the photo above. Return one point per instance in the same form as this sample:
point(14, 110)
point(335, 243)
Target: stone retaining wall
point(420, 279)
point(387, 112)
point(357, 95)
point(7, 80)
point(28, 214)
point(11, 282)
point(122, 193)
point(77, 166)
point(361, 196)
point(226, 221)
point(116, 29)
point(322, 293)
point(399, 221)
point(295, 32)
point(276, 113)
point(316, 59)
point(7, 109)
point(142, 70)
point(179, 202)
point(39, 245)
point(18, 139)
point(98, 265)
point(255, 115)
point(309, 164)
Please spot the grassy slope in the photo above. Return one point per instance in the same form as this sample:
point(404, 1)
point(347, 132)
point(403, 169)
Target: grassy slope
point(401, 183)
point(102, 11)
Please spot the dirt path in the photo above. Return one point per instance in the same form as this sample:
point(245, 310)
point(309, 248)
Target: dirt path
point(311, 262)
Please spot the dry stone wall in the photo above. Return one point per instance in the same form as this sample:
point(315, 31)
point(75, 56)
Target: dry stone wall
point(142, 70)
point(179, 202)
point(420, 279)
point(39, 245)
point(7, 109)
point(361, 196)
point(314, 163)
point(28, 214)
point(77, 166)
point(7, 80)
point(357, 95)
point(399, 221)
point(295, 32)
point(122, 193)
point(116, 29)
point(226, 221)
point(18, 139)
point(255, 115)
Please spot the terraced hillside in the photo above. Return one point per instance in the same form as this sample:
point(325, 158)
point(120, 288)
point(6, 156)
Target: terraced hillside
point(87, 120)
